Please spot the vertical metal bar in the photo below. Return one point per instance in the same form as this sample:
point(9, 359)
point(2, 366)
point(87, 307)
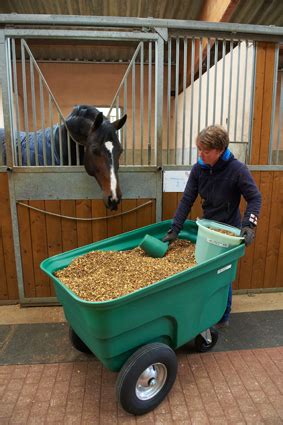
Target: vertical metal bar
point(125, 77)
point(275, 77)
point(200, 80)
point(78, 162)
point(33, 104)
point(5, 78)
point(51, 126)
point(6, 97)
point(215, 78)
point(223, 80)
point(133, 111)
point(159, 73)
point(69, 147)
point(149, 100)
point(125, 128)
point(244, 92)
point(184, 96)
point(42, 120)
point(230, 85)
point(252, 99)
point(25, 102)
point(16, 94)
point(279, 122)
point(117, 108)
point(237, 91)
point(192, 98)
point(176, 95)
point(207, 81)
point(169, 98)
point(141, 99)
point(60, 140)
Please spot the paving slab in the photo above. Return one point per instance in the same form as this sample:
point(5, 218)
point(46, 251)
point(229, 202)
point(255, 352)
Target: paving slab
point(231, 388)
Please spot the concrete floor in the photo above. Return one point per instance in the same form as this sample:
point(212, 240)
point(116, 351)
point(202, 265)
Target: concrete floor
point(14, 314)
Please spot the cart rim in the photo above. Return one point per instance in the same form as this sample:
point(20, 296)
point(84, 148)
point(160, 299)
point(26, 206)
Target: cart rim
point(151, 381)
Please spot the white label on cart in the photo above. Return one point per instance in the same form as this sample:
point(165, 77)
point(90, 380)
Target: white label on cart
point(224, 269)
point(213, 242)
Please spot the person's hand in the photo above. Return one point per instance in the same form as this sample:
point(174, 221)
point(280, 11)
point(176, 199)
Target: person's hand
point(249, 234)
point(170, 237)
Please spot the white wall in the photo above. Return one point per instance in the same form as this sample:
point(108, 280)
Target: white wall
point(237, 132)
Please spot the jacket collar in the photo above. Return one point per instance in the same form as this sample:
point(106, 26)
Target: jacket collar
point(221, 163)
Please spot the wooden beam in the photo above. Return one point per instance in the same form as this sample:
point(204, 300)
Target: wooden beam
point(262, 103)
point(212, 11)
point(218, 10)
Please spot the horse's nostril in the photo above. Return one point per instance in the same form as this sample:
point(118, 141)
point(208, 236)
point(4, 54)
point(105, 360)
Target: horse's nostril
point(113, 203)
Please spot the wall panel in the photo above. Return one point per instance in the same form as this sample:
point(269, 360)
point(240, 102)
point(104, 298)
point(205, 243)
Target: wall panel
point(42, 235)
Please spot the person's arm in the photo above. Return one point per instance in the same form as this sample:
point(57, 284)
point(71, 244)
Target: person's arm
point(253, 198)
point(189, 196)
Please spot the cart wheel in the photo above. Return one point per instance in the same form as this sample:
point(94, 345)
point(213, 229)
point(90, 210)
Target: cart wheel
point(202, 346)
point(78, 343)
point(146, 378)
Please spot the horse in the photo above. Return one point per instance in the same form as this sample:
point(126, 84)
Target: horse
point(99, 148)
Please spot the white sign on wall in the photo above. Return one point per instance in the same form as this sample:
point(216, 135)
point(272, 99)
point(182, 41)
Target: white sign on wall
point(175, 181)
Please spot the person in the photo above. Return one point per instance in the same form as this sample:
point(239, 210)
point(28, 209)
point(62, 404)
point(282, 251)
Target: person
point(220, 180)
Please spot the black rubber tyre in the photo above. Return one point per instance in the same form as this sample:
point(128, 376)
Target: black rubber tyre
point(77, 343)
point(146, 378)
point(202, 346)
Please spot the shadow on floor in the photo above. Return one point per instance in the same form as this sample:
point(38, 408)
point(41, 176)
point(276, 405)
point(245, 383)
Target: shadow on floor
point(49, 342)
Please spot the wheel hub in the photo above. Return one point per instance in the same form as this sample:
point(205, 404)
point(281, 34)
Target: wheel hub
point(151, 381)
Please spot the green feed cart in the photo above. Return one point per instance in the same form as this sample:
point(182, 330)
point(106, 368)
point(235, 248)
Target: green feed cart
point(137, 334)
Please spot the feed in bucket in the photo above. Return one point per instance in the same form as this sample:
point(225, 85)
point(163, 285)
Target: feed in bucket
point(153, 246)
point(215, 238)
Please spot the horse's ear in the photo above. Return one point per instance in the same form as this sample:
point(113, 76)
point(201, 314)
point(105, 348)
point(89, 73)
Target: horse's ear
point(119, 123)
point(97, 122)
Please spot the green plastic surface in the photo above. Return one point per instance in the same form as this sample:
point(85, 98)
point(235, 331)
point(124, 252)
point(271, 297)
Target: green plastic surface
point(173, 310)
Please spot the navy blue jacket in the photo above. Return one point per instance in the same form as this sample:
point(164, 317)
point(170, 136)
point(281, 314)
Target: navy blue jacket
point(220, 188)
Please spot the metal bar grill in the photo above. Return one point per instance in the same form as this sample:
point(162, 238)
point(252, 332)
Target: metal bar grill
point(176, 95)
point(219, 93)
point(168, 100)
point(184, 96)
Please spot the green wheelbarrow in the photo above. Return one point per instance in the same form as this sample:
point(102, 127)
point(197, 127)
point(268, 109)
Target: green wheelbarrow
point(137, 334)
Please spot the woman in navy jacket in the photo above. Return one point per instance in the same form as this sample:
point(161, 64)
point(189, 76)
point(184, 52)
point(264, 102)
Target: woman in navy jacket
point(220, 180)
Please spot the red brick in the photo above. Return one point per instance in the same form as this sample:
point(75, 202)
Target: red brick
point(148, 418)
point(233, 415)
point(199, 418)
point(179, 412)
point(39, 408)
point(163, 419)
point(20, 371)
point(6, 409)
point(20, 416)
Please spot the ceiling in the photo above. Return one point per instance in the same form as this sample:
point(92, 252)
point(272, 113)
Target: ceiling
point(177, 9)
point(263, 12)
point(259, 12)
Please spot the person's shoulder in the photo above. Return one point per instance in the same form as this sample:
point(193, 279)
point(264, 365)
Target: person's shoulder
point(196, 168)
point(238, 165)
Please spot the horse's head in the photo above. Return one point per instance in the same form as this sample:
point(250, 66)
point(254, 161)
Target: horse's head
point(103, 149)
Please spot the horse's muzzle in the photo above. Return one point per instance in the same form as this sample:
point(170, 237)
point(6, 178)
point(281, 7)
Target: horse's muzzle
point(111, 203)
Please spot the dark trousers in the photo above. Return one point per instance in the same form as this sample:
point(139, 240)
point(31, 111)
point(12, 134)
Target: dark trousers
point(227, 312)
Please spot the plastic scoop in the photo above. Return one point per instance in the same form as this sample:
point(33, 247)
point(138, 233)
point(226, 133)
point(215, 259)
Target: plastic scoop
point(153, 246)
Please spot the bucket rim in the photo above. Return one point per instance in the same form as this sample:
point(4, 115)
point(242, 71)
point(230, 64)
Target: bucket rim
point(200, 223)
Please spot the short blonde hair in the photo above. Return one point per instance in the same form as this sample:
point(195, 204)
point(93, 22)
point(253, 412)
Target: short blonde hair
point(214, 137)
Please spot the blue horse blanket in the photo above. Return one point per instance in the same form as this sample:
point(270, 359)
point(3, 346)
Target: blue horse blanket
point(33, 142)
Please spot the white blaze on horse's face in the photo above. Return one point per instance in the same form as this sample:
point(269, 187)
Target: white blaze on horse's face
point(113, 180)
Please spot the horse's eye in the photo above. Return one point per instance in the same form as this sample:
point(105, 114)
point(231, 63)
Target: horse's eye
point(95, 150)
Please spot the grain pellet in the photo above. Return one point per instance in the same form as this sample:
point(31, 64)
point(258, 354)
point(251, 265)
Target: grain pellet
point(106, 275)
